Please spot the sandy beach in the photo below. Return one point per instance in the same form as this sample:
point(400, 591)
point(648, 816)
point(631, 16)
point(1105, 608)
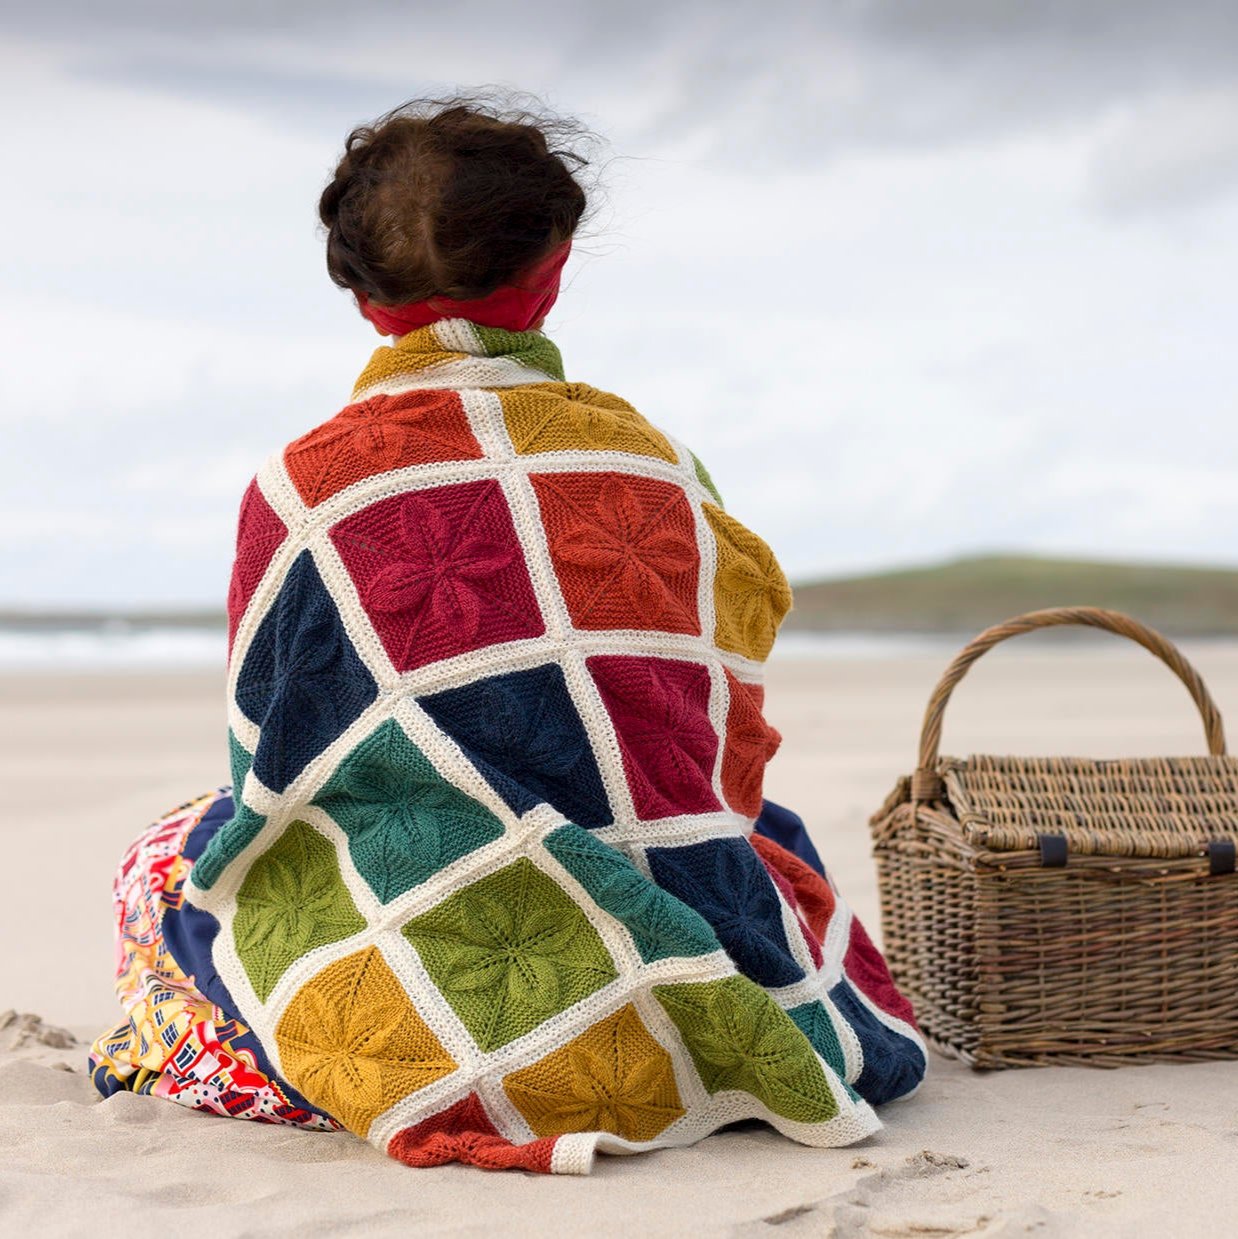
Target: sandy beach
point(89, 759)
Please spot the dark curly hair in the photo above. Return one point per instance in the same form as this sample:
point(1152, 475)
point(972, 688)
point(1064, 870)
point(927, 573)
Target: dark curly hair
point(450, 198)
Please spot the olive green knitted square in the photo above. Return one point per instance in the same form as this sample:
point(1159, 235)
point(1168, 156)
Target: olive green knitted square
point(741, 1039)
point(292, 900)
point(509, 952)
point(529, 348)
point(702, 476)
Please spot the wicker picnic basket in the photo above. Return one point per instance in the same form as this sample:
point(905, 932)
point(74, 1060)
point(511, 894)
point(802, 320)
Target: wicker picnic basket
point(1063, 910)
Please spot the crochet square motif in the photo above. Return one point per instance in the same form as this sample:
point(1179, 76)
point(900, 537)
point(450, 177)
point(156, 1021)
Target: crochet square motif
point(750, 743)
point(725, 881)
point(291, 901)
point(624, 549)
point(524, 734)
point(660, 710)
point(613, 1077)
point(403, 820)
point(510, 951)
point(751, 594)
point(259, 534)
point(440, 572)
point(353, 1043)
point(377, 435)
point(564, 417)
point(302, 681)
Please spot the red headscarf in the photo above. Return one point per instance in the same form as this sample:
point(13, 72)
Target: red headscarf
point(514, 307)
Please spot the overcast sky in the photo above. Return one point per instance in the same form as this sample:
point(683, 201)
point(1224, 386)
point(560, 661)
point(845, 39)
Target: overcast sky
point(914, 279)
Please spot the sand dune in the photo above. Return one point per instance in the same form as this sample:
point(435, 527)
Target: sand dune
point(87, 761)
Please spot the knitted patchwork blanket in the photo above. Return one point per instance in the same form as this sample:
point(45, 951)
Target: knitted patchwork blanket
point(490, 890)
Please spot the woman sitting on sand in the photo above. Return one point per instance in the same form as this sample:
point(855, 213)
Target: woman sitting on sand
point(494, 881)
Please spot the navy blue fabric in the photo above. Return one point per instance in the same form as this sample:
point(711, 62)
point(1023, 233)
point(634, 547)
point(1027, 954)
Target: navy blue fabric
point(189, 934)
point(787, 830)
point(725, 881)
point(893, 1064)
point(525, 736)
point(302, 681)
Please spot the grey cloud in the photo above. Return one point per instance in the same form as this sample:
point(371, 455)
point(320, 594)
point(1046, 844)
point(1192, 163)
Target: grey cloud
point(985, 60)
point(318, 103)
point(793, 89)
point(1172, 151)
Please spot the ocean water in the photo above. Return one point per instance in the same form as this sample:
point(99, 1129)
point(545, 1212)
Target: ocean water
point(112, 647)
point(118, 645)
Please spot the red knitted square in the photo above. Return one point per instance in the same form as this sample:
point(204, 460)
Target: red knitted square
point(259, 533)
point(660, 710)
point(624, 549)
point(464, 1132)
point(376, 435)
point(750, 743)
point(440, 572)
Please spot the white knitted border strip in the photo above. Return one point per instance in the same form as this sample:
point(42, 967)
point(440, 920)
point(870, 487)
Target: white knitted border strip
point(473, 372)
point(847, 1127)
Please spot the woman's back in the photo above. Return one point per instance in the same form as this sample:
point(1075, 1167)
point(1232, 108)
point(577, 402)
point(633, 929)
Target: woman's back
point(495, 711)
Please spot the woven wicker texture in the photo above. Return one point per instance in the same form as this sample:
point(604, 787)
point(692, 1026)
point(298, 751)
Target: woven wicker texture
point(1155, 807)
point(1065, 910)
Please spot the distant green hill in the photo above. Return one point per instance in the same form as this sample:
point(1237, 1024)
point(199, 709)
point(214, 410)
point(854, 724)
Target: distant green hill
point(958, 597)
point(969, 594)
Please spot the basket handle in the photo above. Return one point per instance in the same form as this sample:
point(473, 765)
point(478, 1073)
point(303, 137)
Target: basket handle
point(926, 783)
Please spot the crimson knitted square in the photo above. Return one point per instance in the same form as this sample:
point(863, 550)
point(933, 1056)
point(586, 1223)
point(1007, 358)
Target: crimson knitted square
point(259, 535)
point(440, 572)
point(660, 711)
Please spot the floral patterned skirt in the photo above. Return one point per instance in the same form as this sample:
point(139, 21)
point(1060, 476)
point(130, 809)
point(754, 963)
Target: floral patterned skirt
point(179, 1039)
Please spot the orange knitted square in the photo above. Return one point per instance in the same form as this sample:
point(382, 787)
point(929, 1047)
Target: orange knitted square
point(624, 550)
point(377, 435)
point(749, 744)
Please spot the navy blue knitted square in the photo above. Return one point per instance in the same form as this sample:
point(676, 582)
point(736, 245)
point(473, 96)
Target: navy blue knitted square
point(724, 880)
point(302, 681)
point(893, 1063)
point(524, 734)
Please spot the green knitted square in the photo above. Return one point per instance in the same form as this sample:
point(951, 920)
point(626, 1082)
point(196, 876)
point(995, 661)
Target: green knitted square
point(403, 820)
point(529, 348)
point(741, 1039)
point(813, 1020)
point(702, 476)
point(509, 952)
point(292, 900)
point(229, 841)
point(239, 761)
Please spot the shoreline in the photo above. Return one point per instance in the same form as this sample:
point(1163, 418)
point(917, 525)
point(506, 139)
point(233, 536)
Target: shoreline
point(124, 650)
